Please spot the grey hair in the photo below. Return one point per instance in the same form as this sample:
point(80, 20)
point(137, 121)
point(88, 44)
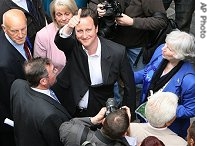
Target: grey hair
point(182, 43)
point(161, 108)
point(70, 4)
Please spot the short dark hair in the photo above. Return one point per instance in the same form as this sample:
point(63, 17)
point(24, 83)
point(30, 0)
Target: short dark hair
point(116, 124)
point(35, 70)
point(89, 12)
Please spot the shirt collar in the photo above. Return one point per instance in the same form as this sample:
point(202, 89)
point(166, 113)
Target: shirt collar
point(46, 92)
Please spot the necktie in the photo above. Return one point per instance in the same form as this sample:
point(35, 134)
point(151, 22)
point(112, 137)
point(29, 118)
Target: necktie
point(27, 51)
point(54, 96)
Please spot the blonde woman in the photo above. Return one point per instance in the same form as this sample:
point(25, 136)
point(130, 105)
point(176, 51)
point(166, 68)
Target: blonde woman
point(61, 11)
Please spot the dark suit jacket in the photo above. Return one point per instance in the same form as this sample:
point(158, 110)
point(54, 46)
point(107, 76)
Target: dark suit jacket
point(33, 25)
point(11, 62)
point(74, 81)
point(37, 117)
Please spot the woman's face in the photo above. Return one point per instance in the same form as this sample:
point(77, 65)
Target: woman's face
point(62, 15)
point(167, 52)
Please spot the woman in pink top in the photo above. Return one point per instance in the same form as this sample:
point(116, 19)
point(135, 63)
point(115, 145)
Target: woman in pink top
point(61, 11)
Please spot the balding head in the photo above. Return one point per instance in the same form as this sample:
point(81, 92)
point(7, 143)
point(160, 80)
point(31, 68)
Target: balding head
point(15, 25)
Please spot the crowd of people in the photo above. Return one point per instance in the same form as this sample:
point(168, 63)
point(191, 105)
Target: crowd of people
point(62, 60)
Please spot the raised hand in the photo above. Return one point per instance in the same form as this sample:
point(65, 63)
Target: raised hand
point(74, 21)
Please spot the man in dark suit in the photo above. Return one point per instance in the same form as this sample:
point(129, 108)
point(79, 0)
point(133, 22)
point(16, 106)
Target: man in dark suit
point(12, 57)
point(94, 64)
point(37, 112)
point(34, 23)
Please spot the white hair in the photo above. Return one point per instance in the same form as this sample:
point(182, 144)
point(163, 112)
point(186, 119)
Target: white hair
point(161, 108)
point(182, 43)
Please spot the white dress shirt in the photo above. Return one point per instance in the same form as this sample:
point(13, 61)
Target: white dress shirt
point(94, 63)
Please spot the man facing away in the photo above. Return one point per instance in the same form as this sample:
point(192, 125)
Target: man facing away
point(160, 111)
point(113, 131)
point(93, 66)
point(36, 110)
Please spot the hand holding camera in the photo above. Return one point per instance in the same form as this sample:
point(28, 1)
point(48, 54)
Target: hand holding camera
point(99, 117)
point(100, 9)
point(111, 106)
point(110, 8)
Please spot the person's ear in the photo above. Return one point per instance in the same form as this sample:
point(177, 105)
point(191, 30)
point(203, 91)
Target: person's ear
point(43, 81)
point(125, 134)
point(192, 143)
point(170, 122)
point(3, 27)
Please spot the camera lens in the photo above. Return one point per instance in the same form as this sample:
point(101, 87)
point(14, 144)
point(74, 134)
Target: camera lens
point(111, 105)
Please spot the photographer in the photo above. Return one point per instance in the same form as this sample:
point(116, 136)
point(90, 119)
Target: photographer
point(107, 12)
point(78, 131)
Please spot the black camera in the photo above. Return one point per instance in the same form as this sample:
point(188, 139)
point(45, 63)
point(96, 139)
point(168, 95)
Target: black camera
point(111, 106)
point(107, 24)
point(113, 8)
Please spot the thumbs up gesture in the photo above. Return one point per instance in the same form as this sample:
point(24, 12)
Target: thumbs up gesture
point(74, 20)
